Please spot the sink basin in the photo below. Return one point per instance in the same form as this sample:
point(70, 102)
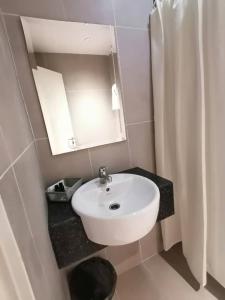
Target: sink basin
point(119, 212)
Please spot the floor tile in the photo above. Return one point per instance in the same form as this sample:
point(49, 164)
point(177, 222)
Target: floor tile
point(137, 284)
point(157, 280)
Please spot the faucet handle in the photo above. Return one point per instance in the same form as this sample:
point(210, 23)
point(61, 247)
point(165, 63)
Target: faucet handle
point(102, 172)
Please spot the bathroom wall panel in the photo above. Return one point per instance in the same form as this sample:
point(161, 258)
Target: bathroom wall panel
point(4, 161)
point(73, 164)
point(21, 185)
point(114, 156)
point(128, 256)
point(152, 243)
point(132, 13)
point(28, 175)
point(133, 43)
point(124, 257)
point(27, 172)
point(141, 140)
point(19, 50)
point(13, 117)
point(97, 12)
point(135, 74)
point(33, 8)
point(20, 226)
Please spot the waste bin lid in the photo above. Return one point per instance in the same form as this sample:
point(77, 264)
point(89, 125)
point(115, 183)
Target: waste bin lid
point(93, 279)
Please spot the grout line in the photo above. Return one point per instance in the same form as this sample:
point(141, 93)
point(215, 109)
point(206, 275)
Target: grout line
point(15, 161)
point(129, 149)
point(89, 157)
point(66, 19)
point(41, 139)
point(18, 252)
point(29, 225)
point(16, 75)
point(147, 258)
point(64, 13)
point(121, 26)
point(139, 123)
point(140, 250)
point(10, 14)
point(114, 12)
point(106, 253)
point(146, 268)
point(132, 28)
point(80, 90)
point(6, 148)
point(122, 87)
point(117, 295)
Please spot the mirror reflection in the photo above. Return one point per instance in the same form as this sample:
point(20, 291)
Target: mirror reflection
point(75, 69)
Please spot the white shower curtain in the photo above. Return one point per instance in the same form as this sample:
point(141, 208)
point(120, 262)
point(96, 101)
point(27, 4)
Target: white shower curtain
point(188, 65)
point(214, 56)
point(179, 99)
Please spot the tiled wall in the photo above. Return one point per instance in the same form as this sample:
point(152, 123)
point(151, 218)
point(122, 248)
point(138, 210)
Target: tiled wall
point(130, 19)
point(21, 186)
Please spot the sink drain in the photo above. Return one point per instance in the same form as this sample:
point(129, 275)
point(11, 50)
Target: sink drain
point(114, 206)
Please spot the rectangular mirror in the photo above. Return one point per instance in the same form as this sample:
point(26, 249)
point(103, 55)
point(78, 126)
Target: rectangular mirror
point(76, 73)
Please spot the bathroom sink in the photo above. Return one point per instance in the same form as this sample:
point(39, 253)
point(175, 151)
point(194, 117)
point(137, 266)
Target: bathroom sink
point(119, 212)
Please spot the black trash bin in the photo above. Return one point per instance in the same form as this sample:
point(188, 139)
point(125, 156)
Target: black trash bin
point(93, 279)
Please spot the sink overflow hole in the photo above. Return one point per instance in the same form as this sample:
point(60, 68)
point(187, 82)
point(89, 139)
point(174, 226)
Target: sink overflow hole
point(114, 206)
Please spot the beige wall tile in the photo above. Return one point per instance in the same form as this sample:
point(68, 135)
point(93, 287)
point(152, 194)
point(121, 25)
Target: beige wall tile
point(25, 76)
point(101, 253)
point(4, 158)
point(152, 243)
point(20, 227)
point(132, 13)
point(73, 164)
point(134, 59)
point(14, 209)
point(135, 68)
point(141, 142)
point(114, 156)
point(124, 257)
point(30, 184)
point(28, 215)
point(13, 117)
point(32, 8)
point(98, 11)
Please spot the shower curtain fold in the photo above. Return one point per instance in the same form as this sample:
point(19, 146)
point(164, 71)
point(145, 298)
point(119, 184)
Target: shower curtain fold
point(179, 113)
point(214, 56)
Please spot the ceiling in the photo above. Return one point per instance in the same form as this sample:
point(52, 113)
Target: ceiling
point(51, 36)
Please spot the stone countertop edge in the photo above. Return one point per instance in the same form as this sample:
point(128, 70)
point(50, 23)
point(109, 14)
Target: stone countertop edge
point(69, 240)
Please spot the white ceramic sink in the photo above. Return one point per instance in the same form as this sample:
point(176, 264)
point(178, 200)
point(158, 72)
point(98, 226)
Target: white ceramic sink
point(119, 212)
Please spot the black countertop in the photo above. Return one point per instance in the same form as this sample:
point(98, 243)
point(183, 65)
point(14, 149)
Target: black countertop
point(69, 240)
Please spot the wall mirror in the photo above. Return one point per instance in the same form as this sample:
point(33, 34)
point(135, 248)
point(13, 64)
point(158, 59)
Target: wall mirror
point(75, 69)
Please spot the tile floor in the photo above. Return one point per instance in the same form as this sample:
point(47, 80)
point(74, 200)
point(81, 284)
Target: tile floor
point(159, 279)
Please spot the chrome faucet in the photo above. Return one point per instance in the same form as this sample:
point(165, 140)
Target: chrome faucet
point(104, 176)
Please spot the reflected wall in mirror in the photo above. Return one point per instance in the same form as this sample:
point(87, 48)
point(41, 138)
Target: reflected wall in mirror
point(75, 69)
